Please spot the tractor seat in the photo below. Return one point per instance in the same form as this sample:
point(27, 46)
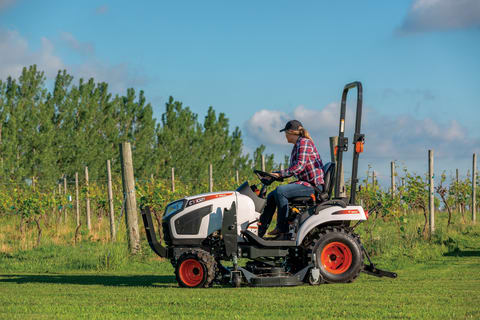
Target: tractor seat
point(328, 177)
point(301, 201)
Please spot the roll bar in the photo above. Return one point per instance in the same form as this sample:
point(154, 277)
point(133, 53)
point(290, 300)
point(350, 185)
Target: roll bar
point(358, 140)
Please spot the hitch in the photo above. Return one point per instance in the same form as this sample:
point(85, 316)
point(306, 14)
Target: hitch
point(374, 271)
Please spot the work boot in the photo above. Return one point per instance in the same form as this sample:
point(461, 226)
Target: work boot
point(262, 230)
point(274, 232)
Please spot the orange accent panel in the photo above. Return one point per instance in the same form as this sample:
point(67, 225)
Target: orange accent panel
point(354, 211)
point(359, 147)
point(215, 196)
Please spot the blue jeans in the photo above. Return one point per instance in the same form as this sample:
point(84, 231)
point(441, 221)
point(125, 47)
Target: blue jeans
point(278, 198)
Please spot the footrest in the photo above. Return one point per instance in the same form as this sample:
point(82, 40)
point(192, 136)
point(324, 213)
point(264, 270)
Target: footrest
point(252, 238)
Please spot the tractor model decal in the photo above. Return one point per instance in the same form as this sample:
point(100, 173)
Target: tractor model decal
point(206, 198)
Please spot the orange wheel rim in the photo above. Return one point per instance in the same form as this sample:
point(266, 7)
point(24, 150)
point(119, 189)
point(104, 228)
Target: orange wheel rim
point(191, 272)
point(336, 257)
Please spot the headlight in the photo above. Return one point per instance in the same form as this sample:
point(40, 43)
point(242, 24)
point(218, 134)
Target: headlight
point(174, 207)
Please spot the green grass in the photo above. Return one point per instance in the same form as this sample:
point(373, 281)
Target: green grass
point(448, 288)
point(438, 278)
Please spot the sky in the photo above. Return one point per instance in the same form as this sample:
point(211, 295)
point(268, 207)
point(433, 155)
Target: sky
point(263, 63)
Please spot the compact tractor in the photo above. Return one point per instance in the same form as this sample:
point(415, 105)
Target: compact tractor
point(202, 231)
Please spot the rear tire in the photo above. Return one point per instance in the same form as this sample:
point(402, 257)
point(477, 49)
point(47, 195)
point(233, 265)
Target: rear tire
point(339, 255)
point(195, 269)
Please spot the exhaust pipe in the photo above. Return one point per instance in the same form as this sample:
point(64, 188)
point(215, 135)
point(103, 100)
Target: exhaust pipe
point(150, 231)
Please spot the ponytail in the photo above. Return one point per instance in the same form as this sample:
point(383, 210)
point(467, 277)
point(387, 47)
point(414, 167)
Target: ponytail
point(302, 132)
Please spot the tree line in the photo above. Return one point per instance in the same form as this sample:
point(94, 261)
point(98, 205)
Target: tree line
point(46, 133)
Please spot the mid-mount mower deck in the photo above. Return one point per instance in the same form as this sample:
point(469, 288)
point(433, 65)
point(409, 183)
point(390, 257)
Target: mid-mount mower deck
point(202, 231)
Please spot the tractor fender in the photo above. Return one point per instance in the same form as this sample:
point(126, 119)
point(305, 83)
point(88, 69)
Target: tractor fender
point(327, 215)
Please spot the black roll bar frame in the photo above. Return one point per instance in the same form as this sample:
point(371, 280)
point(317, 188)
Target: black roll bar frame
point(343, 141)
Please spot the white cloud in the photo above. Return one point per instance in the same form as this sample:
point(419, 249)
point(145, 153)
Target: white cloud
point(437, 15)
point(119, 76)
point(393, 137)
point(263, 127)
point(84, 48)
point(403, 139)
point(266, 124)
point(15, 54)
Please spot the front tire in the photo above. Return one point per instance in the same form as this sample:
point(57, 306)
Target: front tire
point(338, 255)
point(195, 269)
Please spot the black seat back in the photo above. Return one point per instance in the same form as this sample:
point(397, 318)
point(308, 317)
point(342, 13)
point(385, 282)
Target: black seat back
point(329, 179)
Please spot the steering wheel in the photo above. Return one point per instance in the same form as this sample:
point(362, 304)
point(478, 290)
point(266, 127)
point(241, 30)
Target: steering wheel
point(266, 178)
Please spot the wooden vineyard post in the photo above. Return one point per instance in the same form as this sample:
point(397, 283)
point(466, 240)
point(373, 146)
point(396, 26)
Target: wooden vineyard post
point(77, 200)
point(65, 194)
point(236, 177)
point(263, 162)
point(474, 188)
point(457, 206)
point(431, 190)
point(131, 217)
point(113, 232)
point(333, 157)
point(392, 174)
point(173, 179)
point(373, 180)
point(87, 196)
point(210, 178)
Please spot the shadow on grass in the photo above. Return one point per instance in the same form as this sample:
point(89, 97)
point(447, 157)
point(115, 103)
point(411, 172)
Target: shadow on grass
point(462, 253)
point(116, 281)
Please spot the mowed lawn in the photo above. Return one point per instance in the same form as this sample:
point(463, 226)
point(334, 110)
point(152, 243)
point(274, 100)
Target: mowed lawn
point(448, 288)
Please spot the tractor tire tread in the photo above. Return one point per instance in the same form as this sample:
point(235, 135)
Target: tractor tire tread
point(204, 257)
point(328, 230)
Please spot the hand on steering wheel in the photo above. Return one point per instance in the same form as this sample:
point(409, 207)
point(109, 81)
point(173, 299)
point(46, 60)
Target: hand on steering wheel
point(266, 177)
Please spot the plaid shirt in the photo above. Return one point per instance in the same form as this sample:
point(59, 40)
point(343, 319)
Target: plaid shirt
point(305, 164)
